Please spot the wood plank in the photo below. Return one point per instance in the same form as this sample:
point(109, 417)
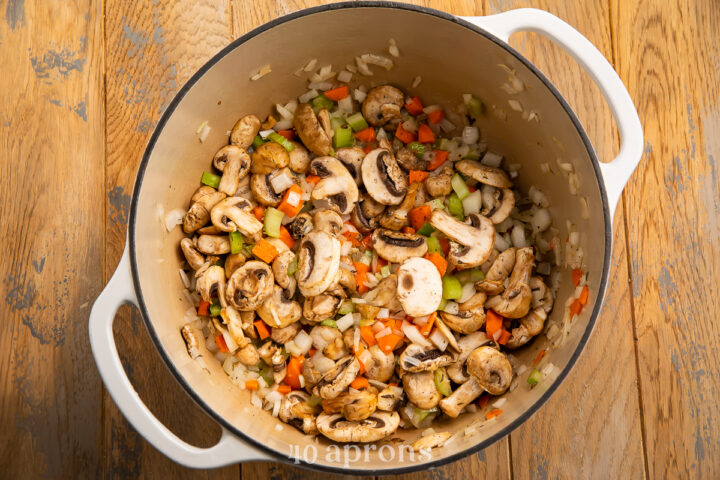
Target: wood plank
point(52, 144)
point(584, 432)
point(152, 49)
point(669, 56)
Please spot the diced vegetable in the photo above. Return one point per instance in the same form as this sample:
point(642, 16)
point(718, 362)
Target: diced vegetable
point(419, 216)
point(204, 308)
point(417, 148)
point(210, 179)
point(314, 401)
point(415, 106)
point(493, 323)
point(292, 201)
point(262, 329)
point(357, 122)
point(472, 203)
point(387, 343)
point(433, 244)
point(538, 358)
point(426, 229)
point(320, 102)
point(427, 326)
point(417, 176)
point(483, 400)
point(403, 135)
point(576, 307)
point(284, 389)
point(361, 271)
point(425, 135)
point(346, 307)
point(366, 135)
point(293, 266)
point(343, 137)
point(385, 271)
point(475, 106)
point(458, 184)
point(576, 276)
point(359, 383)
point(329, 322)
point(442, 382)
point(220, 342)
point(215, 308)
point(452, 289)
point(407, 229)
point(293, 372)
point(439, 262)
point(367, 334)
point(283, 141)
point(337, 93)
point(289, 134)
point(583, 298)
point(312, 179)
point(265, 251)
point(266, 373)
point(504, 337)
point(257, 141)
point(535, 377)
point(272, 222)
point(336, 122)
point(470, 275)
point(286, 238)
point(251, 385)
point(439, 157)
point(236, 242)
point(436, 116)
point(455, 206)
point(259, 212)
point(493, 413)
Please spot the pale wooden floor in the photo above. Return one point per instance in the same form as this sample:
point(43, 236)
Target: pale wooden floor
point(82, 84)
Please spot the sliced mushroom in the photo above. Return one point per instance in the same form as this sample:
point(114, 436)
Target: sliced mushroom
point(285, 334)
point(299, 158)
point(248, 355)
point(338, 378)
point(365, 213)
point(213, 244)
point(447, 333)
point(232, 262)
point(250, 286)
point(336, 186)
point(329, 341)
point(233, 321)
point(269, 157)
point(407, 159)
point(295, 410)
point(353, 405)
point(542, 295)
point(279, 367)
point(382, 105)
point(421, 390)
point(326, 220)
point(199, 213)
point(457, 371)
point(397, 217)
point(477, 239)
point(376, 427)
point(515, 300)
point(390, 398)
point(263, 191)
point(194, 258)
point(318, 263)
point(383, 178)
point(419, 287)
point(352, 158)
point(416, 358)
point(320, 307)
point(212, 283)
point(234, 162)
point(428, 442)
point(381, 364)
point(384, 295)
point(493, 283)
point(245, 131)
point(491, 369)
point(503, 202)
point(301, 226)
point(280, 268)
point(468, 321)
point(209, 230)
point(324, 118)
point(191, 342)
point(279, 311)
point(234, 213)
point(484, 174)
point(310, 374)
point(530, 326)
point(461, 398)
point(438, 184)
point(347, 277)
point(397, 247)
point(310, 131)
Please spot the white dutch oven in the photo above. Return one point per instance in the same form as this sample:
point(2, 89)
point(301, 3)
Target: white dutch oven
point(453, 56)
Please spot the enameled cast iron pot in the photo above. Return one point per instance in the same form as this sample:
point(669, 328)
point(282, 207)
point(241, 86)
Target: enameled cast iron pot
point(453, 56)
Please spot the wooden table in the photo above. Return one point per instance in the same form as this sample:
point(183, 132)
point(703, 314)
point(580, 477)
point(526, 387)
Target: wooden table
point(81, 86)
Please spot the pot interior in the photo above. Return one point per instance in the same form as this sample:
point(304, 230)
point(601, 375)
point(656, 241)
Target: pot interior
point(451, 58)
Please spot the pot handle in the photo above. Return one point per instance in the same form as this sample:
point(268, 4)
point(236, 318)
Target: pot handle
point(119, 290)
point(617, 172)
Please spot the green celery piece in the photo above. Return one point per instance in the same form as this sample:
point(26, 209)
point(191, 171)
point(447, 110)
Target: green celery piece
point(452, 289)
point(426, 230)
point(535, 377)
point(442, 382)
point(329, 322)
point(272, 222)
point(434, 246)
point(284, 142)
point(476, 107)
point(343, 137)
point(458, 184)
point(357, 122)
point(455, 207)
point(210, 179)
point(320, 102)
point(417, 148)
point(236, 242)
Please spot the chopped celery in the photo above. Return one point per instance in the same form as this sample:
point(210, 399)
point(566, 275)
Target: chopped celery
point(385, 271)
point(470, 275)
point(314, 401)
point(329, 322)
point(455, 206)
point(343, 137)
point(236, 242)
point(471, 156)
point(434, 246)
point(442, 382)
point(293, 266)
point(475, 106)
point(215, 307)
point(443, 144)
point(266, 372)
point(336, 122)
point(366, 322)
point(346, 307)
point(535, 377)
point(443, 304)
point(210, 179)
point(417, 148)
point(273, 221)
point(257, 141)
point(452, 289)
point(357, 122)
point(426, 230)
point(284, 142)
point(419, 415)
point(320, 102)
point(436, 204)
point(367, 257)
point(458, 184)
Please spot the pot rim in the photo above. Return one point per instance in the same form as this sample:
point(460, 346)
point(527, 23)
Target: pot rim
point(284, 458)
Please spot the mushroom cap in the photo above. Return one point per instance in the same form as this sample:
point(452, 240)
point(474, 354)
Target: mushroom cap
point(229, 153)
point(375, 427)
point(383, 178)
point(299, 158)
point(213, 244)
point(301, 226)
point(484, 174)
point(353, 404)
point(199, 213)
point(491, 369)
point(419, 287)
point(352, 158)
point(327, 220)
point(467, 343)
point(530, 326)
point(234, 213)
point(397, 217)
point(384, 295)
point(212, 282)
point(439, 183)
point(365, 212)
point(515, 300)
point(542, 295)
point(467, 321)
point(323, 306)
point(336, 185)
point(250, 285)
point(416, 358)
point(382, 104)
point(338, 378)
point(279, 311)
point(263, 191)
point(421, 390)
point(280, 268)
point(389, 398)
point(310, 131)
point(477, 239)
point(493, 283)
point(407, 160)
point(245, 130)
point(269, 157)
point(285, 334)
point(194, 258)
point(397, 247)
point(318, 263)
point(504, 202)
point(381, 366)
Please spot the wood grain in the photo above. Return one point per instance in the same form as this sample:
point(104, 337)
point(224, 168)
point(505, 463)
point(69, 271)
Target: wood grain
point(153, 47)
point(51, 225)
point(669, 56)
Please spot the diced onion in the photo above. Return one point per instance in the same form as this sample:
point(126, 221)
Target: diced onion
point(538, 197)
point(344, 76)
point(452, 308)
point(321, 363)
point(515, 105)
point(284, 112)
point(266, 133)
point(472, 203)
point(307, 96)
point(281, 182)
point(173, 218)
point(345, 104)
point(416, 82)
point(384, 332)
point(383, 313)
point(310, 66)
point(541, 220)
point(437, 338)
point(492, 159)
point(365, 357)
point(517, 235)
point(500, 402)
point(468, 290)
point(303, 341)
point(414, 335)
point(184, 278)
point(345, 322)
point(470, 135)
point(379, 60)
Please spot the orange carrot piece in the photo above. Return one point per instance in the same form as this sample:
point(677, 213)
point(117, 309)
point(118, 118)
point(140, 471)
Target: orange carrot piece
point(493, 413)
point(417, 176)
point(493, 323)
point(286, 206)
point(361, 272)
point(504, 337)
point(575, 307)
point(445, 245)
point(262, 329)
point(407, 229)
point(425, 135)
point(286, 238)
point(414, 106)
point(251, 385)
point(284, 389)
point(204, 308)
point(259, 212)
point(366, 135)
point(293, 371)
point(436, 116)
point(289, 134)
point(419, 215)
point(359, 383)
point(576, 276)
point(367, 334)
point(438, 159)
point(367, 241)
point(584, 295)
point(312, 179)
point(440, 263)
point(538, 358)
point(265, 251)
point(405, 136)
point(483, 400)
point(425, 329)
point(388, 343)
point(220, 342)
point(337, 93)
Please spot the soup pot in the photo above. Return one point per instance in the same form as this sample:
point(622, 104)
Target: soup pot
point(452, 55)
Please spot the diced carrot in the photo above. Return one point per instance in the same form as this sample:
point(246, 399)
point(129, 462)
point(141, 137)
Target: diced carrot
point(417, 176)
point(312, 179)
point(445, 245)
point(361, 271)
point(367, 241)
point(584, 295)
point(493, 413)
point(286, 237)
point(220, 342)
point(337, 93)
point(493, 323)
point(289, 134)
point(359, 383)
point(414, 106)
point(403, 135)
point(471, 188)
point(392, 384)
point(425, 135)
point(259, 212)
point(419, 215)
point(265, 251)
point(286, 206)
point(367, 334)
point(425, 329)
point(204, 308)
point(361, 267)
point(251, 385)
point(262, 329)
point(366, 135)
point(312, 352)
point(538, 358)
point(483, 400)
point(504, 337)
point(552, 245)
point(438, 159)
point(576, 276)
point(368, 148)
point(293, 371)
point(381, 262)
point(407, 229)
point(353, 237)
point(436, 116)
point(576, 307)
point(284, 389)
point(388, 343)
point(439, 262)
